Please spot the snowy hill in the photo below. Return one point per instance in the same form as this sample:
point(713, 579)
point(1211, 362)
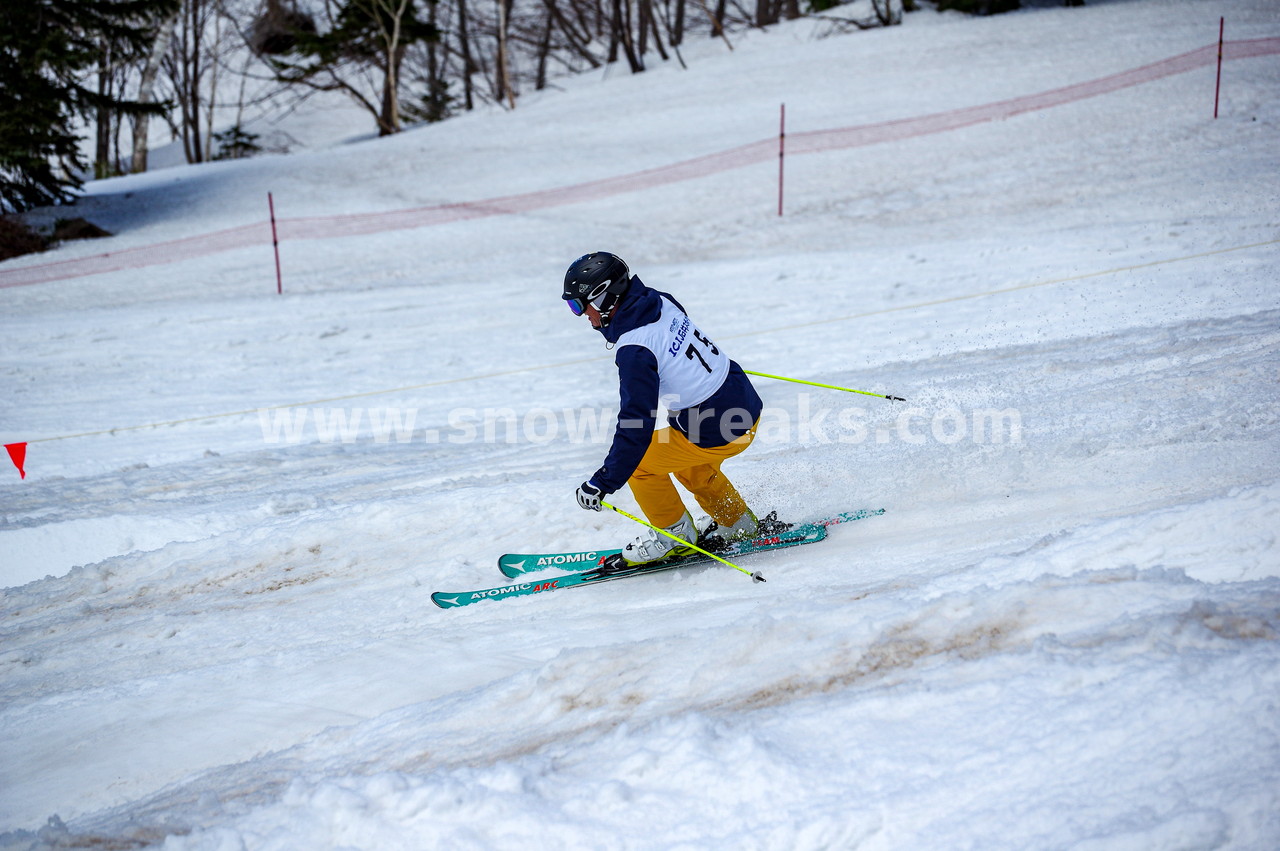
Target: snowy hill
point(1063, 633)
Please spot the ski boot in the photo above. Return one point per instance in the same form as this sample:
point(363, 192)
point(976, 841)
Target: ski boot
point(718, 539)
point(653, 546)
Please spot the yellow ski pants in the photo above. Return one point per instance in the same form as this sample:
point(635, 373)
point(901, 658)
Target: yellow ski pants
point(695, 467)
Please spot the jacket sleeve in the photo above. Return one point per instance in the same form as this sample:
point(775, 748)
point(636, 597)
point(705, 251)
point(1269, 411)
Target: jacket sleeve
point(637, 415)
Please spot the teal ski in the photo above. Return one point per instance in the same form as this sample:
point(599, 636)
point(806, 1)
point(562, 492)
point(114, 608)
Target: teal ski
point(516, 565)
point(590, 566)
point(591, 574)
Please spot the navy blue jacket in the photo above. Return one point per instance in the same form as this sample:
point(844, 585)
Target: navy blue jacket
point(638, 387)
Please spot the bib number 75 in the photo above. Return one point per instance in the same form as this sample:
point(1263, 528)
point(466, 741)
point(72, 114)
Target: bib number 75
point(692, 351)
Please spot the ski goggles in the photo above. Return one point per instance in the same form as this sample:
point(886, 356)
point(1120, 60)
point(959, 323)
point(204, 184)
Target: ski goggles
point(579, 304)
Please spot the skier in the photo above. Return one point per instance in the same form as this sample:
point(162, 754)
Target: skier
point(713, 408)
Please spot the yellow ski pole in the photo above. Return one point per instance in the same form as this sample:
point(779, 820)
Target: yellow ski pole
point(827, 386)
point(756, 576)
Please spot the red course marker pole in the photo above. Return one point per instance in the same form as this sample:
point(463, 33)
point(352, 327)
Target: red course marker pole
point(1217, 88)
point(275, 243)
point(782, 137)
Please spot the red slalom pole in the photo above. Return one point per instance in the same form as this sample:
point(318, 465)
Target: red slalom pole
point(1217, 88)
point(275, 243)
point(782, 137)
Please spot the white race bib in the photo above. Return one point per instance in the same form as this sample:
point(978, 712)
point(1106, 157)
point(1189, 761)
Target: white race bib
point(690, 367)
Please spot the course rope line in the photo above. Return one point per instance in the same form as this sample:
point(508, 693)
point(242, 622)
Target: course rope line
point(810, 142)
point(775, 329)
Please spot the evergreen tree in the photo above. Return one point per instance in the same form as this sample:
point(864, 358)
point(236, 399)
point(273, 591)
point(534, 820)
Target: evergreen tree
point(48, 49)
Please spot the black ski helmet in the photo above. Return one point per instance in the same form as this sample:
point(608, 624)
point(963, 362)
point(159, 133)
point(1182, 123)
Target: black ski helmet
point(600, 279)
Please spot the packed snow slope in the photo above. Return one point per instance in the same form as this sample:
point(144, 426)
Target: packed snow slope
point(1064, 632)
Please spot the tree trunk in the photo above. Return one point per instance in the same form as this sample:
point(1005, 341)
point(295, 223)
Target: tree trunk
point(544, 47)
point(192, 72)
point(576, 40)
point(437, 86)
point(211, 105)
point(649, 20)
point(766, 12)
point(147, 90)
point(621, 36)
point(392, 57)
point(389, 113)
point(503, 81)
point(677, 30)
point(103, 116)
point(468, 66)
point(642, 13)
point(716, 17)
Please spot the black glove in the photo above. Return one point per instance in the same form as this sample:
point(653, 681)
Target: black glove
point(589, 496)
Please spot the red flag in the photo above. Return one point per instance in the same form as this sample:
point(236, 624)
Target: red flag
point(17, 454)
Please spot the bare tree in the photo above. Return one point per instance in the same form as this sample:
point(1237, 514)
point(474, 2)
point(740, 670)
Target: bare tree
point(110, 81)
point(403, 60)
point(187, 67)
point(576, 37)
point(502, 80)
point(118, 52)
point(147, 88)
point(367, 38)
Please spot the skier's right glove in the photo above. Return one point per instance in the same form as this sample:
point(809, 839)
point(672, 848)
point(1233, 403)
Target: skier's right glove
point(589, 496)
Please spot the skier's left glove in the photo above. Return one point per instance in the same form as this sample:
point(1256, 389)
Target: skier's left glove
point(589, 496)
